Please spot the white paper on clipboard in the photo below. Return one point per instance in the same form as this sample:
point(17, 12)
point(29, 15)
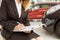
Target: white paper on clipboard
point(28, 28)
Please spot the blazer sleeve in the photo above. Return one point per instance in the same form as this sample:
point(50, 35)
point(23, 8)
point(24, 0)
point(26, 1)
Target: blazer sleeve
point(26, 19)
point(7, 24)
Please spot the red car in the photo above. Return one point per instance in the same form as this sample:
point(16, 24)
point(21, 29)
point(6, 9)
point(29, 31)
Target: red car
point(39, 13)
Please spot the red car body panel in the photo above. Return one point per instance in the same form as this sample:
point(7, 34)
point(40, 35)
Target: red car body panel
point(37, 14)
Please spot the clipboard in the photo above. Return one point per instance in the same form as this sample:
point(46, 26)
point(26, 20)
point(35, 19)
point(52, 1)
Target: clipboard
point(30, 28)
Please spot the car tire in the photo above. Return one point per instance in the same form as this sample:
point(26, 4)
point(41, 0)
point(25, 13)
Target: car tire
point(57, 29)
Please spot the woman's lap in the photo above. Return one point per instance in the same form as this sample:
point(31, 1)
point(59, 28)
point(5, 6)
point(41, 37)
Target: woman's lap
point(23, 36)
point(33, 35)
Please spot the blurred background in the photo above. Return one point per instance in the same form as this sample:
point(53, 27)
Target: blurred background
point(39, 7)
point(36, 13)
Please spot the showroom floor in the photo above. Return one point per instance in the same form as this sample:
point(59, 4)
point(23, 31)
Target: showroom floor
point(43, 34)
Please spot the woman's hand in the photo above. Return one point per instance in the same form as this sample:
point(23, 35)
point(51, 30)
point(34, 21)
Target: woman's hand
point(19, 26)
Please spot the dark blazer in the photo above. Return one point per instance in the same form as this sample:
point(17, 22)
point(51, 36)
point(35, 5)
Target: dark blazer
point(9, 18)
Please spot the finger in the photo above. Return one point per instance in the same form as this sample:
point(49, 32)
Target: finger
point(22, 25)
point(33, 39)
point(38, 38)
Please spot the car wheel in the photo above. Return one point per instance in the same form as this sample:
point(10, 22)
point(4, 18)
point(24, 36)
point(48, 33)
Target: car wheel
point(57, 29)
